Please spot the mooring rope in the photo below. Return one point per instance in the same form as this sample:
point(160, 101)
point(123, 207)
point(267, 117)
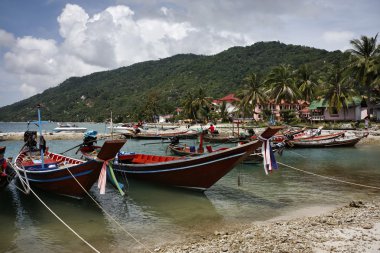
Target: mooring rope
point(109, 215)
point(62, 221)
point(330, 178)
point(25, 184)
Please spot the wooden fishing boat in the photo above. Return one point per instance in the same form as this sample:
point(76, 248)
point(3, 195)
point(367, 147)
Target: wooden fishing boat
point(61, 174)
point(347, 141)
point(184, 150)
point(198, 173)
point(310, 135)
point(188, 134)
point(219, 139)
point(6, 172)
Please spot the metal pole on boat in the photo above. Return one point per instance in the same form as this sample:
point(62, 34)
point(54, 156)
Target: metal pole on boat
point(111, 127)
point(40, 131)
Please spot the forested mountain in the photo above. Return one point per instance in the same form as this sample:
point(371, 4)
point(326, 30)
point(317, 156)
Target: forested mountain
point(127, 91)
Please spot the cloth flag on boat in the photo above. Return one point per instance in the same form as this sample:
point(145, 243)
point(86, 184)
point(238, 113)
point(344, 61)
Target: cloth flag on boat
point(269, 160)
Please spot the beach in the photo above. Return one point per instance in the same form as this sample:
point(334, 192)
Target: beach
point(224, 130)
point(350, 227)
point(354, 227)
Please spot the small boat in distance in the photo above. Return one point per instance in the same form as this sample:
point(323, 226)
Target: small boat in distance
point(67, 127)
point(340, 141)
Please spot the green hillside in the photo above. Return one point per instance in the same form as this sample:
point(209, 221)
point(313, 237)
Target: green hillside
point(126, 90)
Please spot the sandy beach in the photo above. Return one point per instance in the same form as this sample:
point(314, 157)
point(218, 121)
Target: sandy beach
point(354, 227)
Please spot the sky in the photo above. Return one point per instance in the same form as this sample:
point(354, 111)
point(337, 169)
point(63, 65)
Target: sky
point(44, 42)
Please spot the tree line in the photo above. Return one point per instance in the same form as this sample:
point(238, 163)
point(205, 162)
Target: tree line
point(337, 83)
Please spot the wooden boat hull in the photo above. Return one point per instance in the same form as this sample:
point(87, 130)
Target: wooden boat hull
point(339, 142)
point(64, 175)
point(183, 151)
point(219, 139)
point(7, 178)
point(198, 173)
point(64, 181)
point(147, 136)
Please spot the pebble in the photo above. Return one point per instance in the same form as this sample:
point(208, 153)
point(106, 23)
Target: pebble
point(332, 232)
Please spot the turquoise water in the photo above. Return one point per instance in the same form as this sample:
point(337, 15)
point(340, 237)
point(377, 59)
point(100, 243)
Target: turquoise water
point(156, 215)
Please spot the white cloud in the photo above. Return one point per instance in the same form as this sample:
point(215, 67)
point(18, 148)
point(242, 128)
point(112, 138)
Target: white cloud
point(106, 40)
point(27, 90)
point(6, 39)
point(338, 37)
point(120, 36)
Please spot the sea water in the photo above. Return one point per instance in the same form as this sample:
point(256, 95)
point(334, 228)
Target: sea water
point(155, 215)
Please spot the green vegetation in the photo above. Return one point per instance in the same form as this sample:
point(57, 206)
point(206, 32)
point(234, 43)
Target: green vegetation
point(145, 89)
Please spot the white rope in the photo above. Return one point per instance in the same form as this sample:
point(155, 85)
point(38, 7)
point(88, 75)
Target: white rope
point(329, 178)
point(25, 185)
point(64, 223)
point(110, 216)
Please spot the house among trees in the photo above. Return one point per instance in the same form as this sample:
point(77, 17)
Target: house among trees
point(300, 107)
point(230, 100)
point(354, 111)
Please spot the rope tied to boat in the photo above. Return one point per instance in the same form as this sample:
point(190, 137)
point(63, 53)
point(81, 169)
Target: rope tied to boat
point(109, 215)
point(269, 161)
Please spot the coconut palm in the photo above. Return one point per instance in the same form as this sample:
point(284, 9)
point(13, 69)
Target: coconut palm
point(282, 84)
point(252, 95)
point(187, 104)
point(339, 90)
point(364, 64)
point(306, 85)
point(223, 112)
point(201, 105)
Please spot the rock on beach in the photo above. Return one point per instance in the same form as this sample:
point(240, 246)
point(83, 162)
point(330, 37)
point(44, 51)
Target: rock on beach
point(350, 228)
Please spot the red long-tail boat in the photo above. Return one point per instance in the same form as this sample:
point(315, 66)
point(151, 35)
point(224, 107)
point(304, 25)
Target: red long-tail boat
point(61, 174)
point(198, 173)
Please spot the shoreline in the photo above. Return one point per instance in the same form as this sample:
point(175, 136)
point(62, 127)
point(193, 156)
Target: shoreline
point(373, 137)
point(351, 227)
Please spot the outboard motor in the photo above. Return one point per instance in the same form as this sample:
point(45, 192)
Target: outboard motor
point(90, 138)
point(174, 140)
point(289, 136)
point(30, 139)
point(251, 132)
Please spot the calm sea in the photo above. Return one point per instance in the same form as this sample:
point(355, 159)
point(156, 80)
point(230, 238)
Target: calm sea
point(157, 215)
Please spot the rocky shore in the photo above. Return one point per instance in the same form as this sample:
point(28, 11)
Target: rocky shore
point(354, 227)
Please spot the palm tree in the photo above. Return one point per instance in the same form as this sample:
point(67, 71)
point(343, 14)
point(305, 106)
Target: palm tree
point(339, 90)
point(201, 105)
point(306, 85)
point(282, 84)
point(152, 106)
point(187, 104)
point(364, 64)
point(252, 95)
point(223, 111)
